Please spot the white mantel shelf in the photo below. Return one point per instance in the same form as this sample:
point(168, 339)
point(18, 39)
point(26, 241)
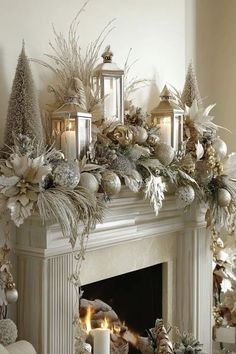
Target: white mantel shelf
point(131, 237)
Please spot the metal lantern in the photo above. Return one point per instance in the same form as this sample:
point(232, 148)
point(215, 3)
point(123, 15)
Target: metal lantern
point(169, 116)
point(108, 80)
point(71, 129)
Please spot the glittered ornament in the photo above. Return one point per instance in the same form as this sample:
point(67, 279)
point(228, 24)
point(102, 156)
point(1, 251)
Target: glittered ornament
point(164, 153)
point(66, 174)
point(111, 183)
point(11, 295)
point(87, 180)
point(8, 332)
point(140, 135)
point(220, 148)
point(223, 197)
point(184, 196)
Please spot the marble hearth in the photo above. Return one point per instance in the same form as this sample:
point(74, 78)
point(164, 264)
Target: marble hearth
point(130, 238)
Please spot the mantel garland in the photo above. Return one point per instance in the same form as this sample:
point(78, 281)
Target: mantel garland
point(35, 178)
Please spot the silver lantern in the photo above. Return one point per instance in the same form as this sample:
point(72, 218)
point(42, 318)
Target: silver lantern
point(108, 80)
point(71, 129)
point(169, 116)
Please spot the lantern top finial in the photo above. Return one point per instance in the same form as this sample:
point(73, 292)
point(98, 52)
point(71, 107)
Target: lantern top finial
point(166, 94)
point(107, 55)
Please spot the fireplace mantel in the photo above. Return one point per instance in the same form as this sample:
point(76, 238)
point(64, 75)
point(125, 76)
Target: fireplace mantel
point(131, 237)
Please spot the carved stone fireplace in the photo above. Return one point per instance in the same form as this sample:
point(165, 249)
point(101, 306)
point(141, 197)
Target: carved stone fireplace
point(130, 238)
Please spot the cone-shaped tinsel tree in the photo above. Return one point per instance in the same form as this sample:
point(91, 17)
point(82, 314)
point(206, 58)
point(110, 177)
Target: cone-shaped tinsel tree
point(23, 115)
point(191, 90)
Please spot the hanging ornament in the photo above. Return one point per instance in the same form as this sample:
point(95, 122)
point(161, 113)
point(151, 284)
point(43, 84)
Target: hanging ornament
point(11, 293)
point(87, 180)
point(164, 153)
point(66, 174)
point(223, 197)
point(184, 196)
point(140, 135)
point(8, 332)
point(220, 148)
point(111, 183)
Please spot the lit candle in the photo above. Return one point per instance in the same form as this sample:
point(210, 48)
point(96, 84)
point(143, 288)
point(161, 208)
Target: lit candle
point(165, 127)
point(68, 144)
point(101, 343)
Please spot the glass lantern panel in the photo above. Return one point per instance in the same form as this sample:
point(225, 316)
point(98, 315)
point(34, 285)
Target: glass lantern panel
point(84, 136)
point(58, 127)
point(178, 131)
point(68, 140)
point(112, 100)
point(165, 130)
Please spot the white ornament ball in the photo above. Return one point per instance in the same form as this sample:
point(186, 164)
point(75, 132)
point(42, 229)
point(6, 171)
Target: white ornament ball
point(164, 153)
point(185, 195)
point(87, 180)
point(141, 135)
point(220, 148)
point(223, 197)
point(8, 332)
point(11, 295)
point(111, 183)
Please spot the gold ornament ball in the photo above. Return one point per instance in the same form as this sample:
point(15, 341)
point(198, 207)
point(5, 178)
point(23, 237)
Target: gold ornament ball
point(185, 195)
point(111, 183)
point(11, 295)
point(87, 180)
point(220, 148)
point(164, 153)
point(223, 197)
point(140, 135)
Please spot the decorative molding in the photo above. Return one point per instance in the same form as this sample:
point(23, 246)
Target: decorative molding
point(130, 238)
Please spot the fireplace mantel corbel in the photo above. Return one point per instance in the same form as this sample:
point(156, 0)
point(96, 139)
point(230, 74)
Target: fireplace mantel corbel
point(131, 237)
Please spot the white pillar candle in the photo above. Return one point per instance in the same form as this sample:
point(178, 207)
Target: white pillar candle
point(165, 128)
point(101, 342)
point(68, 144)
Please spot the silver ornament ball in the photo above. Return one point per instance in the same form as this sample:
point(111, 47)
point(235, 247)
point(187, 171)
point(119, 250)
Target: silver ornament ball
point(11, 295)
point(220, 148)
point(8, 332)
point(66, 174)
point(140, 135)
point(87, 180)
point(223, 197)
point(111, 183)
point(164, 153)
point(185, 195)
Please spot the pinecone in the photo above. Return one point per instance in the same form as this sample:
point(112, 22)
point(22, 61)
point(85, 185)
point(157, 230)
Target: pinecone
point(121, 165)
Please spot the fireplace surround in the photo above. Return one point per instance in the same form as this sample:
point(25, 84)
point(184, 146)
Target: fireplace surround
point(130, 238)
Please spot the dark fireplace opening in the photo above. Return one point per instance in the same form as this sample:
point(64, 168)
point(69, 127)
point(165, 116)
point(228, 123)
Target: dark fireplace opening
point(136, 297)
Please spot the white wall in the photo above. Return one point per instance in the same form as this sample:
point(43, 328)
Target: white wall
point(155, 29)
point(216, 61)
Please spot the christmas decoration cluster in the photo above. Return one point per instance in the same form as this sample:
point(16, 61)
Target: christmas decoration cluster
point(35, 177)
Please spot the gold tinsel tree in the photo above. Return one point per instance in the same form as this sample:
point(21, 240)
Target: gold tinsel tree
point(191, 90)
point(23, 116)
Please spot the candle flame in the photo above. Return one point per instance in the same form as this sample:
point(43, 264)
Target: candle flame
point(88, 320)
point(105, 323)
